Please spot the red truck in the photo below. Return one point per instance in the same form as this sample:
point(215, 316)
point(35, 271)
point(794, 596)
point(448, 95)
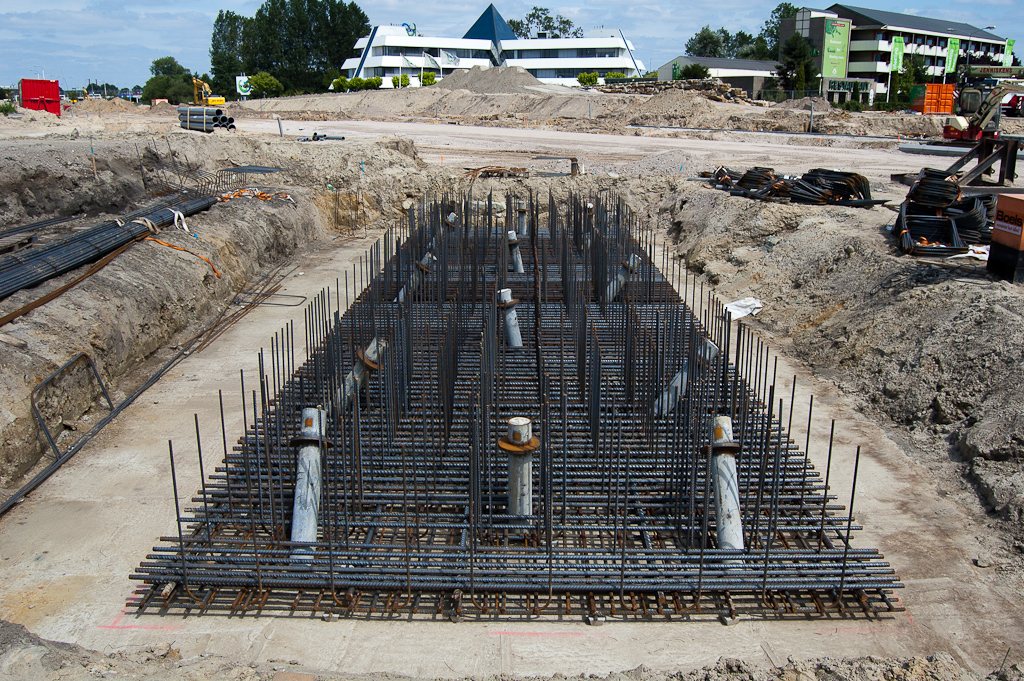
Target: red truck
point(40, 95)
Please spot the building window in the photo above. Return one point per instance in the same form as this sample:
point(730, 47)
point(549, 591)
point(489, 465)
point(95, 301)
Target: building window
point(586, 53)
point(549, 54)
point(607, 52)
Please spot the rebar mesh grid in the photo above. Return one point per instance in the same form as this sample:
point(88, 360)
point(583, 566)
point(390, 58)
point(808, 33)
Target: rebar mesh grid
point(622, 366)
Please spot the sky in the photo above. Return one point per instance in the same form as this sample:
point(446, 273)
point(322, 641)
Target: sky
point(115, 41)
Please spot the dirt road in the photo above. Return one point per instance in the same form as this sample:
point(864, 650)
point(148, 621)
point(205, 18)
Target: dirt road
point(469, 146)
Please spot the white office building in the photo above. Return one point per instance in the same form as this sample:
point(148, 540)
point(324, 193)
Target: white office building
point(396, 50)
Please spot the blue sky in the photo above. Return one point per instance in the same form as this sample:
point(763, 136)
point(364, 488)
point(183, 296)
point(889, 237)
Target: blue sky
point(116, 40)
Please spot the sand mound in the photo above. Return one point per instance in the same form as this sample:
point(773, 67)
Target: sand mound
point(500, 79)
point(29, 116)
point(163, 108)
point(804, 104)
point(99, 105)
point(684, 108)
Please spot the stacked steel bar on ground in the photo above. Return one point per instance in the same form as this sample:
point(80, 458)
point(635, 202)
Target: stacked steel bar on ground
point(397, 439)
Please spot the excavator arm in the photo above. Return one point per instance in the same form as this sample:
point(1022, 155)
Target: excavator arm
point(990, 105)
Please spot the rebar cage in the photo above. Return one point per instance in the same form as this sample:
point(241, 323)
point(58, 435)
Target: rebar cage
point(622, 366)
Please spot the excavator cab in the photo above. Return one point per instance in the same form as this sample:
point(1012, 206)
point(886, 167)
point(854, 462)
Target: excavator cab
point(970, 100)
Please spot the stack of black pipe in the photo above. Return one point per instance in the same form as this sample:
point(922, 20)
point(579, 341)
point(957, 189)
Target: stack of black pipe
point(204, 118)
point(35, 265)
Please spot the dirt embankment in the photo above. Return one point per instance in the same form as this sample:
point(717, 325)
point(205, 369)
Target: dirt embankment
point(27, 657)
point(932, 350)
point(153, 296)
point(511, 97)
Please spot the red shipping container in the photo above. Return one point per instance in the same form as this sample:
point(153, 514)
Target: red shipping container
point(40, 95)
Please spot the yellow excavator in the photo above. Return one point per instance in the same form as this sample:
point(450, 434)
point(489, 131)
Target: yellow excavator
point(203, 96)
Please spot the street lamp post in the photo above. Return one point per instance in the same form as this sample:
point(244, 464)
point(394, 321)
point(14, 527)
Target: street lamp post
point(971, 35)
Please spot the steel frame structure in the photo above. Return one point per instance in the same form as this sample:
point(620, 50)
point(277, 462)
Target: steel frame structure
point(621, 382)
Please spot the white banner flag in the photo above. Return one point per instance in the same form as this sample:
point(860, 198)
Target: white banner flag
point(430, 60)
point(450, 59)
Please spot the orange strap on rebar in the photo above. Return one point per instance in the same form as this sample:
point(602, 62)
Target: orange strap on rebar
point(185, 250)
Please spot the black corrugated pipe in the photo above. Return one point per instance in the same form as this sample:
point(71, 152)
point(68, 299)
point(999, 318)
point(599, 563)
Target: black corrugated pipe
point(35, 265)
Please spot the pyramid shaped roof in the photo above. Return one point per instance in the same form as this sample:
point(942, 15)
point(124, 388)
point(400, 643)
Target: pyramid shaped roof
point(490, 26)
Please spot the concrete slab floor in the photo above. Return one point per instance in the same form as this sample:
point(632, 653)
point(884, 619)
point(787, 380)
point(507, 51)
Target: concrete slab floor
point(65, 552)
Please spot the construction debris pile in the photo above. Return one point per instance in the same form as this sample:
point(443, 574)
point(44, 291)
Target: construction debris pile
point(204, 118)
point(817, 187)
point(937, 220)
point(516, 415)
point(712, 88)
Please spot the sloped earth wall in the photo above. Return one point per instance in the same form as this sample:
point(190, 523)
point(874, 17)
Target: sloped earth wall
point(152, 296)
point(933, 350)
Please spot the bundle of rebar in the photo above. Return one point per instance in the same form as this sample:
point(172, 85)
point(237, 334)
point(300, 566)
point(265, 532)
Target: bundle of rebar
point(935, 220)
point(429, 363)
point(818, 186)
point(36, 265)
point(204, 118)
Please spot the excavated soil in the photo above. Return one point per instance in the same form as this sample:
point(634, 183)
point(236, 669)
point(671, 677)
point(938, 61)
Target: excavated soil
point(511, 97)
point(931, 348)
point(152, 296)
point(931, 351)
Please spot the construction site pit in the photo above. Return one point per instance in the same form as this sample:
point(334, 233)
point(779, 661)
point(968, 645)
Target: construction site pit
point(438, 401)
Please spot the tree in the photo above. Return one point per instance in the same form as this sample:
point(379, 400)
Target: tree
point(226, 52)
point(298, 42)
point(98, 89)
point(734, 43)
point(429, 78)
point(265, 85)
point(540, 19)
point(167, 66)
point(706, 43)
point(756, 50)
point(170, 81)
point(797, 69)
point(587, 79)
point(770, 30)
point(914, 71)
point(174, 89)
point(693, 72)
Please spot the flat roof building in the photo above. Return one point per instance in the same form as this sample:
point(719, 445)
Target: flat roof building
point(856, 44)
point(395, 50)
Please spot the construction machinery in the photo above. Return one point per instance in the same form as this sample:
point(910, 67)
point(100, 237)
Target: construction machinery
point(202, 95)
point(980, 102)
